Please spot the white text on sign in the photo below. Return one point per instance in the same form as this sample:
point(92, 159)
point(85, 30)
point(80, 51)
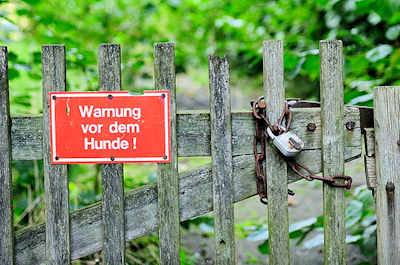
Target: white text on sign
point(116, 127)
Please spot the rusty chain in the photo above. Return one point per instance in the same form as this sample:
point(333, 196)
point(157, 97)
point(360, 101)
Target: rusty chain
point(262, 123)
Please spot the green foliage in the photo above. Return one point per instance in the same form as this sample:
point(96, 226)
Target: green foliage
point(369, 30)
point(360, 226)
point(143, 251)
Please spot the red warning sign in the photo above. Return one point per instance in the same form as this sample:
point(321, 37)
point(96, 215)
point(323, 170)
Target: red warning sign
point(109, 127)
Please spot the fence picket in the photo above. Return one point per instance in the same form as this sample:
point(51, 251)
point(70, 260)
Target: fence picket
point(113, 211)
point(221, 150)
point(168, 179)
point(332, 108)
point(55, 176)
point(276, 168)
point(387, 153)
point(6, 202)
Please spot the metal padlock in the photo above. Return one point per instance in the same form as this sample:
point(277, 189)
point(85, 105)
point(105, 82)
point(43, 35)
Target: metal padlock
point(289, 144)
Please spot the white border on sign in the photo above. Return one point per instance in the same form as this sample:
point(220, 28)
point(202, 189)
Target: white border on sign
point(107, 159)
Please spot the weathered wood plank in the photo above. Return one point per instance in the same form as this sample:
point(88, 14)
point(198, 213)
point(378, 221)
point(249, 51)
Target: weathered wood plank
point(332, 112)
point(27, 137)
point(369, 158)
point(221, 151)
point(109, 62)
point(276, 167)
point(168, 182)
point(387, 134)
point(6, 200)
point(370, 172)
point(193, 132)
point(55, 176)
point(369, 141)
point(141, 208)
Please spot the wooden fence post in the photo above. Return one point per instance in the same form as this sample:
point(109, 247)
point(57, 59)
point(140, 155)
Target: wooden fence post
point(55, 176)
point(168, 179)
point(221, 151)
point(6, 201)
point(113, 211)
point(387, 153)
point(332, 109)
point(276, 168)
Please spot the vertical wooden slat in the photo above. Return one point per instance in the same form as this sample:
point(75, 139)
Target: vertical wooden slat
point(276, 168)
point(168, 189)
point(109, 61)
point(332, 105)
point(55, 176)
point(387, 152)
point(221, 151)
point(6, 203)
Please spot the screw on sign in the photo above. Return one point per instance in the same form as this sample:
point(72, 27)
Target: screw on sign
point(104, 127)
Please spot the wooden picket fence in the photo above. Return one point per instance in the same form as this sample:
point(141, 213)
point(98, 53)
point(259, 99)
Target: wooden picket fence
point(225, 136)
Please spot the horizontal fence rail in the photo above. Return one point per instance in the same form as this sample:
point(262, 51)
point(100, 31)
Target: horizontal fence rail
point(193, 133)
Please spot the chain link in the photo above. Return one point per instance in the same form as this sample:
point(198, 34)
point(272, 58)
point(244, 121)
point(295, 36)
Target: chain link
point(260, 137)
point(262, 123)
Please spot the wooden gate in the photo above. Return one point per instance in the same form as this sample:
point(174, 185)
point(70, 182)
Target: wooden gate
point(221, 134)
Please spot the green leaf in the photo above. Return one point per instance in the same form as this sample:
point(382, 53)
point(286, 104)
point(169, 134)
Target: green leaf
point(320, 221)
point(152, 177)
point(264, 248)
point(332, 20)
point(12, 73)
point(368, 220)
point(302, 224)
point(12, 57)
point(369, 231)
point(361, 99)
point(351, 239)
point(23, 11)
point(379, 52)
point(311, 66)
point(207, 227)
point(393, 32)
point(261, 233)
point(322, 2)
point(316, 241)
point(353, 213)
point(296, 234)
point(374, 18)
point(37, 57)
point(368, 245)
point(31, 2)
